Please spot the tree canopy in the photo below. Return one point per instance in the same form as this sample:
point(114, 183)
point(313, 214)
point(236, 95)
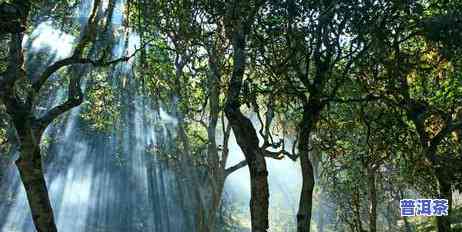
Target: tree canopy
point(365, 96)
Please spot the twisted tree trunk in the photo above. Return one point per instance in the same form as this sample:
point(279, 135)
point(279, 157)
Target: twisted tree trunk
point(244, 131)
point(29, 129)
point(247, 139)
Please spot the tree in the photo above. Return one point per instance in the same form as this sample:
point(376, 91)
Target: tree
point(316, 62)
point(238, 22)
point(20, 92)
point(411, 56)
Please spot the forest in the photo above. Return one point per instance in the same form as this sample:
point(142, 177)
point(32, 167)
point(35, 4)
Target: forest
point(230, 115)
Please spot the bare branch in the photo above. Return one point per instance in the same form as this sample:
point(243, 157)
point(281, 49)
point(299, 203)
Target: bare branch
point(351, 100)
point(235, 167)
point(273, 154)
point(279, 154)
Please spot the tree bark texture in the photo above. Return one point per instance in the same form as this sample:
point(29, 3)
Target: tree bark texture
point(310, 117)
point(443, 223)
point(372, 192)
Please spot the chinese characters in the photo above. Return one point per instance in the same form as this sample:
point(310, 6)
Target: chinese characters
point(423, 207)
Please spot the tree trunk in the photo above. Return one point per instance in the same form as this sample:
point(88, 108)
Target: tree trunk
point(212, 215)
point(29, 132)
point(215, 169)
point(443, 223)
point(305, 204)
point(244, 131)
point(259, 202)
point(356, 205)
point(247, 140)
point(189, 174)
point(321, 220)
point(209, 219)
point(322, 200)
point(310, 117)
point(32, 176)
point(217, 190)
point(407, 225)
point(372, 192)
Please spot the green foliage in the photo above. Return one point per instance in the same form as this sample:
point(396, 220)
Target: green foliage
point(3, 141)
point(45, 144)
point(369, 64)
point(101, 109)
point(5, 145)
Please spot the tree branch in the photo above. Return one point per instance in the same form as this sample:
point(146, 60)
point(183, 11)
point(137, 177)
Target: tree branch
point(351, 100)
point(279, 154)
point(235, 167)
point(435, 141)
point(75, 97)
point(226, 134)
point(76, 60)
